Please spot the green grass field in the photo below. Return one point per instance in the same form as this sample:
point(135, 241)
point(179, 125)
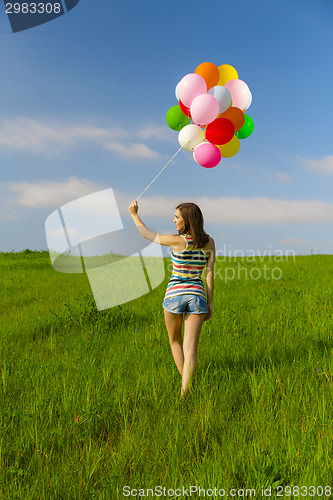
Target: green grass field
point(90, 400)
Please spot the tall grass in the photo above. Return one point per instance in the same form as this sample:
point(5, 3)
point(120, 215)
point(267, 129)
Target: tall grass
point(90, 400)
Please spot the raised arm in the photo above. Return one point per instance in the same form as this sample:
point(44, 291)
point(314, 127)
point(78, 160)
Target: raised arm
point(167, 240)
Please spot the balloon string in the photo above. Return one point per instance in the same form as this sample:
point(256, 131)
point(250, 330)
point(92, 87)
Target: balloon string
point(165, 166)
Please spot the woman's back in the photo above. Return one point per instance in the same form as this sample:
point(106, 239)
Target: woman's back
point(188, 265)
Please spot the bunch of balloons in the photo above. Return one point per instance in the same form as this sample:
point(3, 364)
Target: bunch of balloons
point(215, 100)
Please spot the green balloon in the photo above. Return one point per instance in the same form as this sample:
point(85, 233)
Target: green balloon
point(176, 119)
point(246, 129)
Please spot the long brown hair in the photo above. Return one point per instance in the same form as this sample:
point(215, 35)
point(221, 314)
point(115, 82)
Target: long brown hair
point(194, 223)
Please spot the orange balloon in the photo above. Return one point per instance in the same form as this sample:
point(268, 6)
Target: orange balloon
point(235, 115)
point(209, 72)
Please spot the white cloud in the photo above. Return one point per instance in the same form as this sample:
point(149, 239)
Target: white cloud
point(133, 150)
point(282, 177)
point(45, 194)
point(320, 165)
point(224, 210)
point(234, 210)
point(50, 138)
point(159, 133)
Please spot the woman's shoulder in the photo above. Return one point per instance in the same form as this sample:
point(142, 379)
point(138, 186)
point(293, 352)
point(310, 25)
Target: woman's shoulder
point(186, 239)
point(180, 243)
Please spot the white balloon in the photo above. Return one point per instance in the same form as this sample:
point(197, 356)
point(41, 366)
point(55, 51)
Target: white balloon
point(190, 136)
point(223, 97)
point(176, 91)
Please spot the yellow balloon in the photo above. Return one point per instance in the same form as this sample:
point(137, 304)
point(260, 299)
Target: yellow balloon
point(231, 148)
point(227, 73)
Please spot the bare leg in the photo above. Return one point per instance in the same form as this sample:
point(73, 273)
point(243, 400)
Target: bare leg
point(192, 329)
point(173, 323)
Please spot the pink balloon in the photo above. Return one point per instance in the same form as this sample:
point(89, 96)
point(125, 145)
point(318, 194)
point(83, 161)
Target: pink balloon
point(207, 154)
point(190, 87)
point(240, 93)
point(204, 109)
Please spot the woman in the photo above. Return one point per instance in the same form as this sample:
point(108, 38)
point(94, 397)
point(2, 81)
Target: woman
point(185, 299)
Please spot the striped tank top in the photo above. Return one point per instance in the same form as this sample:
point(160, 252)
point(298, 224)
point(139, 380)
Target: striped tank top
point(187, 269)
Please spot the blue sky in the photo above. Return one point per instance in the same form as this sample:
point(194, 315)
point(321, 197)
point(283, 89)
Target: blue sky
point(83, 101)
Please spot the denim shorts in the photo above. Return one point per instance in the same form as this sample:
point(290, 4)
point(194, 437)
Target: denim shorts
point(188, 303)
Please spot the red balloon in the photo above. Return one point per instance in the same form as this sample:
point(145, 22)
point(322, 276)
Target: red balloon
point(184, 109)
point(220, 131)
